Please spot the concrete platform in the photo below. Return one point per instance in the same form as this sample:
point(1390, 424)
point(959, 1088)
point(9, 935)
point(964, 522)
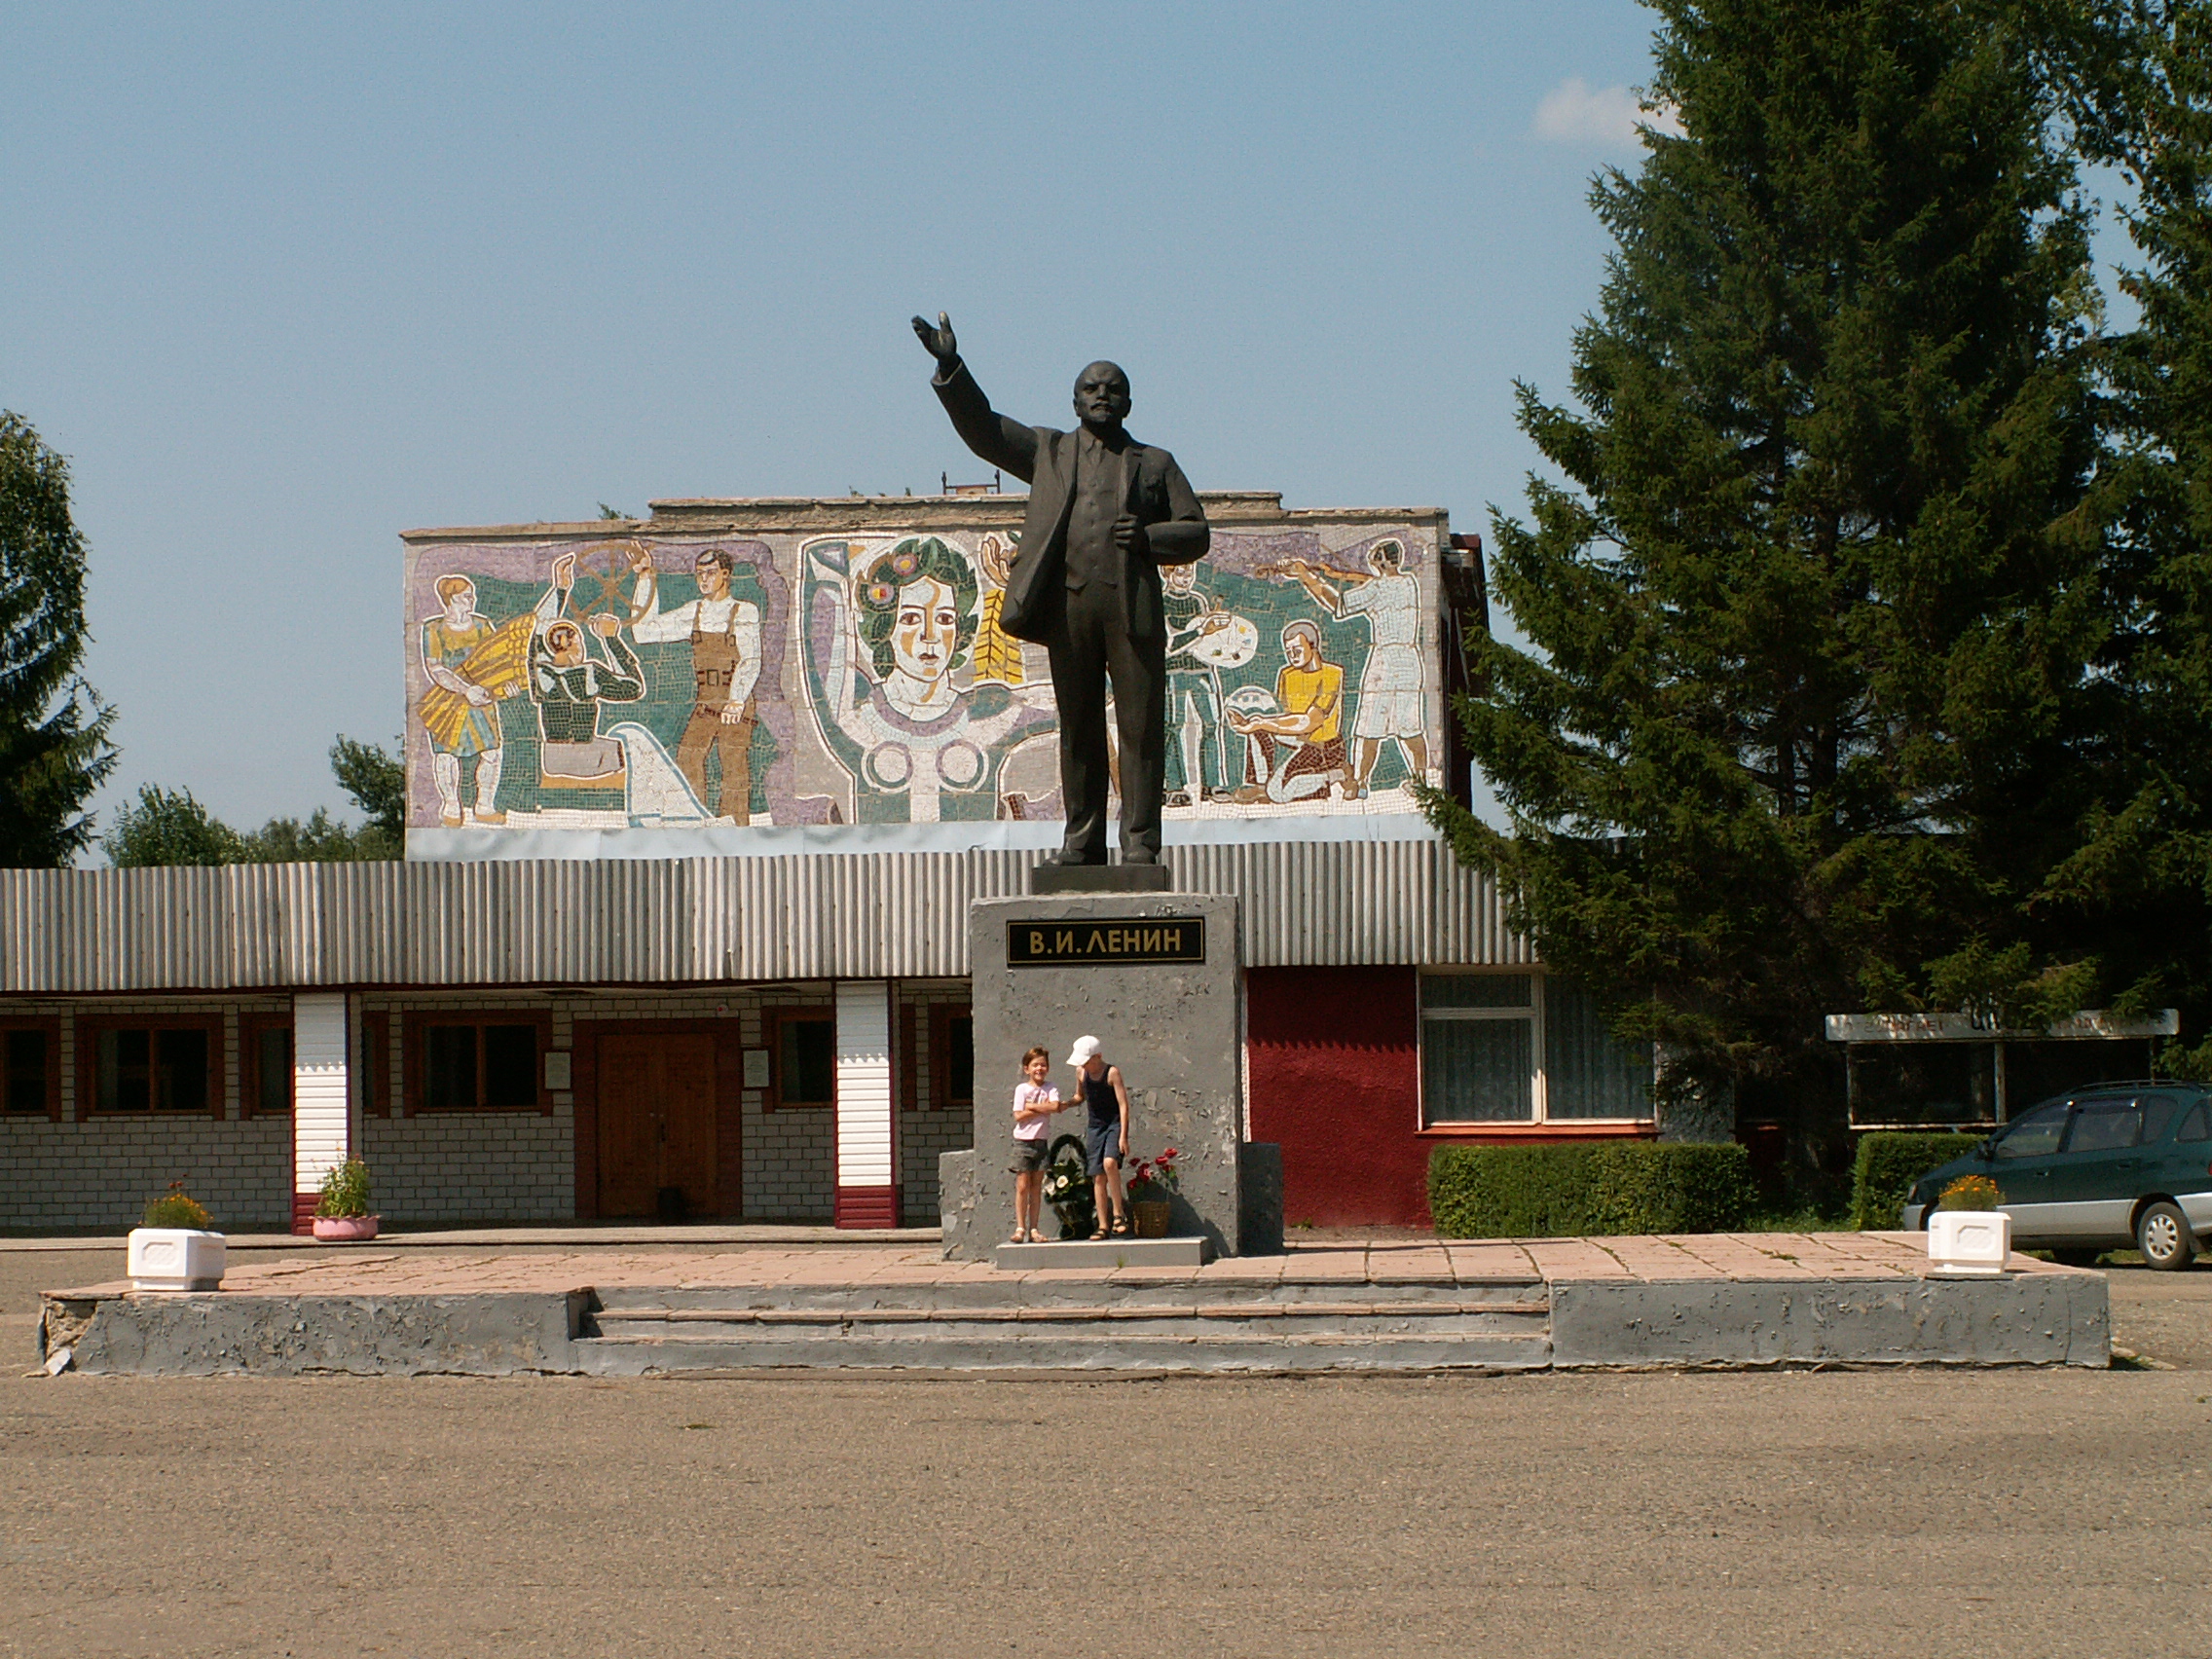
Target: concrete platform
point(1719, 1301)
point(1190, 1252)
point(594, 1234)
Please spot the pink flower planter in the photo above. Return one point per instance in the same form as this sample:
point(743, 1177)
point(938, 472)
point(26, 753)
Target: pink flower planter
point(344, 1229)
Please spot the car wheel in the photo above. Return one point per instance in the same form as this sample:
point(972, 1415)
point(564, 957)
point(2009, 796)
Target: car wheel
point(2077, 1257)
point(2162, 1233)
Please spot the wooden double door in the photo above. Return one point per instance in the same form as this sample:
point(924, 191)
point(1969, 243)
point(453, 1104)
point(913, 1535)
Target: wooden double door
point(656, 1124)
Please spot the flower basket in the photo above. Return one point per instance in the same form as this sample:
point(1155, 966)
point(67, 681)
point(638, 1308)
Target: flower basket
point(1153, 1185)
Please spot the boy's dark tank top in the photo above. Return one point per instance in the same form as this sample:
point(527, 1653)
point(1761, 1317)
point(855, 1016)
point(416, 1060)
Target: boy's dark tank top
point(1098, 1096)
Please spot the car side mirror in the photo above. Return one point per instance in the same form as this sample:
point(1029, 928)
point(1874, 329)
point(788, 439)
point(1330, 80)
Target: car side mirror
point(1988, 1149)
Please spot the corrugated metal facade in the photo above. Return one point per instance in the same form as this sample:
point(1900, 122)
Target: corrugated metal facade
point(812, 917)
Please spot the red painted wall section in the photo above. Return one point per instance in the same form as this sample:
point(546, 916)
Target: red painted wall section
point(1335, 1058)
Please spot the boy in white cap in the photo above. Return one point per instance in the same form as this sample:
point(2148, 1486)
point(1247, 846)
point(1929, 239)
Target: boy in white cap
point(1106, 1133)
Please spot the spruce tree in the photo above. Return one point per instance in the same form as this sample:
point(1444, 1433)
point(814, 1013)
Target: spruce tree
point(2138, 892)
point(53, 728)
point(1816, 595)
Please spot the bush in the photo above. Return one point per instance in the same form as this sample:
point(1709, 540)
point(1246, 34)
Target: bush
point(1599, 1187)
point(176, 1209)
point(345, 1190)
point(1970, 1192)
point(1889, 1163)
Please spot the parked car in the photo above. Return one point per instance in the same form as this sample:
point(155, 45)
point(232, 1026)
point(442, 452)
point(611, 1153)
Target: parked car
point(2102, 1168)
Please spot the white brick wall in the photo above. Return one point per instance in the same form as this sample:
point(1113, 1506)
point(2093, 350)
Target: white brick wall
point(922, 1135)
point(453, 1166)
point(102, 1172)
point(789, 1172)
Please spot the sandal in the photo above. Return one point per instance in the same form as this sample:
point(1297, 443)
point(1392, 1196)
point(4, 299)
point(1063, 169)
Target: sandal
point(1020, 1236)
point(1121, 1226)
point(1099, 1234)
point(1036, 1237)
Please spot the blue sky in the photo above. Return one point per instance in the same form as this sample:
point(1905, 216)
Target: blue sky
point(283, 281)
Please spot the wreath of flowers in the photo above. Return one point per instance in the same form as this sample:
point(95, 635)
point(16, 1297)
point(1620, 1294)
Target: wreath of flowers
point(1068, 1189)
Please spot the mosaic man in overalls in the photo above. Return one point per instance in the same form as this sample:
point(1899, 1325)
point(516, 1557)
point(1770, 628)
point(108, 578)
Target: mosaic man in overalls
point(724, 632)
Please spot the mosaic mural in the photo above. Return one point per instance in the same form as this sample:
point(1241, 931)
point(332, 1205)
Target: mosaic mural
point(654, 680)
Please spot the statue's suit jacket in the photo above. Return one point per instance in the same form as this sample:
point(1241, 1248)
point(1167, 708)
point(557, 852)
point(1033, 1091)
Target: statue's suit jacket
point(1153, 490)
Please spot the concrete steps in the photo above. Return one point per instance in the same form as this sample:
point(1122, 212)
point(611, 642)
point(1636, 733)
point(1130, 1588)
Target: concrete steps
point(1108, 1326)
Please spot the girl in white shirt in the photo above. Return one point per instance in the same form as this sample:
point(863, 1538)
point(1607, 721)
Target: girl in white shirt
point(1034, 1102)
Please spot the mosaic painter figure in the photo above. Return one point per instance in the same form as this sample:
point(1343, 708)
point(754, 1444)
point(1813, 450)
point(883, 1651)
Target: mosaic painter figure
point(1105, 512)
point(1295, 747)
point(1203, 640)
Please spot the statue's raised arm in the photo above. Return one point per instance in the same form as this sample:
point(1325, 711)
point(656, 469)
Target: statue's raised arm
point(1005, 444)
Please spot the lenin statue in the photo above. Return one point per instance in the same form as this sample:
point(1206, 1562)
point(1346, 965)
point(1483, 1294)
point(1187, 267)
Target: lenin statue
point(1105, 512)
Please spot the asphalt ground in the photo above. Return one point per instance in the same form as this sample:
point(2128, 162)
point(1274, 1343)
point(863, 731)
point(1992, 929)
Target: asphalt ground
point(1919, 1512)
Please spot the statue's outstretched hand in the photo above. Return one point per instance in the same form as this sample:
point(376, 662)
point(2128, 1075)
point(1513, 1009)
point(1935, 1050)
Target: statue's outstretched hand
point(938, 341)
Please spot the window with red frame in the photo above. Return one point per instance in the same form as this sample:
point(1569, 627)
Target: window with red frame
point(374, 1071)
point(487, 1065)
point(952, 1056)
point(145, 1067)
point(806, 1057)
point(265, 1041)
point(30, 1070)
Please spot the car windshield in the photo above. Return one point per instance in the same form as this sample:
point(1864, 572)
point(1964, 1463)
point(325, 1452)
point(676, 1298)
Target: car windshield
point(2036, 1134)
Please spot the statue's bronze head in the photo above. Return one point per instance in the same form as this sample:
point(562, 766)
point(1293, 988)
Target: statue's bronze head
point(1102, 397)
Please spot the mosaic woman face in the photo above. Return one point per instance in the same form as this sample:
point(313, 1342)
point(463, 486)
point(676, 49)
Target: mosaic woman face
point(927, 630)
point(461, 604)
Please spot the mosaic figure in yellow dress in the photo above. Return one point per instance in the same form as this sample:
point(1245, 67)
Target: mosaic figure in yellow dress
point(472, 664)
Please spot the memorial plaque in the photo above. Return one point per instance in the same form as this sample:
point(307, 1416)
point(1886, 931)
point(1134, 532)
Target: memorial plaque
point(1107, 940)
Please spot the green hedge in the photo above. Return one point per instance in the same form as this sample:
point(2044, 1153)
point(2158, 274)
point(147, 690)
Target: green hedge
point(1589, 1186)
point(1889, 1163)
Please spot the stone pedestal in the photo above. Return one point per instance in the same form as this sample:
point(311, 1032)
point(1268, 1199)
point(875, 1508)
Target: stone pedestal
point(1051, 878)
point(1158, 978)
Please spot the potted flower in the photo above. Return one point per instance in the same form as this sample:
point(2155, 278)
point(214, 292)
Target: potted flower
point(177, 1248)
point(1152, 1184)
point(343, 1215)
point(1969, 1234)
point(1067, 1188)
